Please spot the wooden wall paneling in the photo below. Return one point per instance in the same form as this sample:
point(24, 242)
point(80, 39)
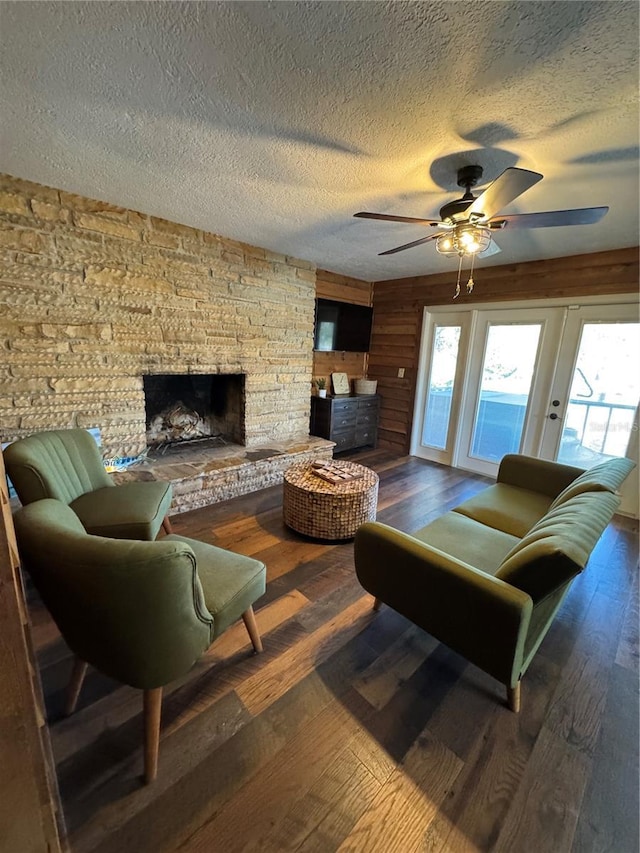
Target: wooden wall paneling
point(395, 344)
point(399, 306)
point(351, 363)
point(341, 288)
point(29, 803)
point(597, 274)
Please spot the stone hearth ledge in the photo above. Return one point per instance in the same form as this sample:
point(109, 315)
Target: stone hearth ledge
point(204, 476)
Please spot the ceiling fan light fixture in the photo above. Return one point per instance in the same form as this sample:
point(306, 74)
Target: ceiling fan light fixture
point(444, 245)
point(464, 240)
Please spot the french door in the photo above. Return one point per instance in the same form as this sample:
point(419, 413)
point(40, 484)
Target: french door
point(509, 372)
point(446, 341)
point(593, 411)
point(557, 382)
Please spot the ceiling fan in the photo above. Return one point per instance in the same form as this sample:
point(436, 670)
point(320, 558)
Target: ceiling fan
point(469, 221)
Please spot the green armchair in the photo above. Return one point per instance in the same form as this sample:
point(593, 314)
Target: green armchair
point(140, 612)
point(66, 465)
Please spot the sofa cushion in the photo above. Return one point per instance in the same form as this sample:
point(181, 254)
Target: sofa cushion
point(510, 509)
point(467, 540)
point(606, 477)
point(130, 511)
point(558, 546)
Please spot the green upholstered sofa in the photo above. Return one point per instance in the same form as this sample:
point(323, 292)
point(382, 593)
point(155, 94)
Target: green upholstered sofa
point(488, 577)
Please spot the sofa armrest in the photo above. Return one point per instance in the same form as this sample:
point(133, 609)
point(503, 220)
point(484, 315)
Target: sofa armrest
point(537, 475)
point(477, 615)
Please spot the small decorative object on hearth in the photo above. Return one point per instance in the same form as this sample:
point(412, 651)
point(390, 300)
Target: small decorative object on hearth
point(321, 385)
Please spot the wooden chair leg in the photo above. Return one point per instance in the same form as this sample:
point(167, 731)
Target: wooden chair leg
point(249, 619)
point(152, 707)
point(377, 604)
point(513, 698)
point(75, 685)
point(166, 525)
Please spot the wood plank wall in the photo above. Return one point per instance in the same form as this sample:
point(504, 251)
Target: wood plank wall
point(398, 308)
point(29, 804)
point(330, 285)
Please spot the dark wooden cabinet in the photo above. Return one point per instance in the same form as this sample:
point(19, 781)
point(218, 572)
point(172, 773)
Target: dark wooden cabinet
point(349, 421)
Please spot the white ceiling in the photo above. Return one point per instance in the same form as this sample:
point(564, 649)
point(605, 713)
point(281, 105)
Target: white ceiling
point(274, 122)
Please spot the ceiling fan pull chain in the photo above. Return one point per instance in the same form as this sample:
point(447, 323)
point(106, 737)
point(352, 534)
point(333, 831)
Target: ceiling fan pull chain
point(457, 293)
point(470, 282)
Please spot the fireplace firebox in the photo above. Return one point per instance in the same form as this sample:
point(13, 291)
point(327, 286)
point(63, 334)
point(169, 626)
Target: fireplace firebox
point(194, 406)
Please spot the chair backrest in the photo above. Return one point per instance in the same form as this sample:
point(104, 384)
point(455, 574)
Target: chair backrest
point(134, 610)
point(61, 464)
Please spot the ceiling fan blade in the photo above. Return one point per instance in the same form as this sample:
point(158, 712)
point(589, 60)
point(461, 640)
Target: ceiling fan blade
point(389, 218)
point(507, 186)
point(492, 249)
point(410, 245)
point(550, 219)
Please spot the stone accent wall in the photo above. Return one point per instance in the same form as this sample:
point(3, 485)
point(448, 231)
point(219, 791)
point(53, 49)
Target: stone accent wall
point(93, 296)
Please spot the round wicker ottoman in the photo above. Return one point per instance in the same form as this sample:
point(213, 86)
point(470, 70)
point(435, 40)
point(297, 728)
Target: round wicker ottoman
point(325, 510)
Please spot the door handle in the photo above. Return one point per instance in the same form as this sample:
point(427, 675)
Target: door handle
point(553, 416)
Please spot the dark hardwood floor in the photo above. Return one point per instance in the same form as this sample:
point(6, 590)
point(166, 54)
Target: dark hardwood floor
point(354, 730)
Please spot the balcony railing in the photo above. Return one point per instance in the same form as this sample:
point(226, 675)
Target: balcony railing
point(596, 429)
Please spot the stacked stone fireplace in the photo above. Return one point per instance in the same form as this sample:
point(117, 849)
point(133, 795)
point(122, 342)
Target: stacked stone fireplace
point(99, 301)
point(195, 433)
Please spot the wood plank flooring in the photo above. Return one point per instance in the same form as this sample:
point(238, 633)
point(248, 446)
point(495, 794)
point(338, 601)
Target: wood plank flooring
point(354, 730)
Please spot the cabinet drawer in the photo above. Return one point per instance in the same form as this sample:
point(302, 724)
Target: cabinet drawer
point(364, 405)
point(366, 435)
point(341, 407)
point(366, 418)
point(343, 440)
point(343, 421)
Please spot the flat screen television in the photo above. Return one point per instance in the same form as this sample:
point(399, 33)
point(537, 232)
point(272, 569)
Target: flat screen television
point(342, 327)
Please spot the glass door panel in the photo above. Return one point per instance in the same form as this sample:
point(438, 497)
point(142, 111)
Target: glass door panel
point(603, 398)
point(505, 383)
point(444, 359)
point(508, 381)
point(444, 342)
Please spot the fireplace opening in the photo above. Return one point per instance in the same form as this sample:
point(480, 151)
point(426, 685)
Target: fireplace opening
point(194, 407)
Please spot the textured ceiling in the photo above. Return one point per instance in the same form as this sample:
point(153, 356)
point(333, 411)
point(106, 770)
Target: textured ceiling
point(272, 123)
